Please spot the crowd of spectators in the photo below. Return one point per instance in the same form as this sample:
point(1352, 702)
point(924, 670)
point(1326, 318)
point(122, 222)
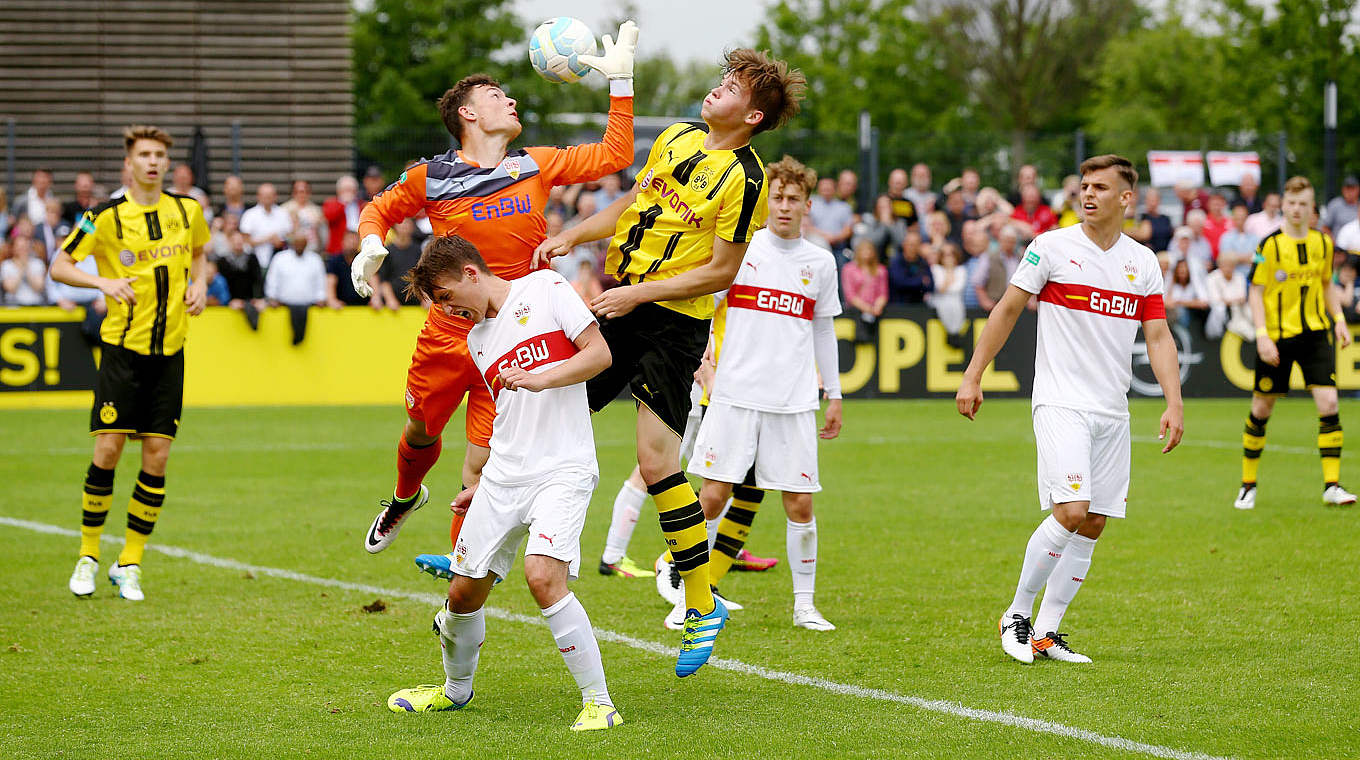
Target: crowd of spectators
point(953, 248)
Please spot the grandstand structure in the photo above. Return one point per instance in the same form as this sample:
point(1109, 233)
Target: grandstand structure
point(268, 83)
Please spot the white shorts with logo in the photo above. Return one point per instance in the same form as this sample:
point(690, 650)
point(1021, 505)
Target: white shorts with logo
point(551, 513)
point(783, 446)
point(1083, 456)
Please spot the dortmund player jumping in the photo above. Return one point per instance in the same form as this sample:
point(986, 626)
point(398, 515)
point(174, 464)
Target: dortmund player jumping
point(678, 237)
point(149, 247)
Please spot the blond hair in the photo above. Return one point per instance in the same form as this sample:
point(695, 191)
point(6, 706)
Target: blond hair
point(135, 132)
point(791, 171)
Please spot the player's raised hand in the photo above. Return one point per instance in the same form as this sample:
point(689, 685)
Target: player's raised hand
point(1343, 333)
point(195, 298)
point(616, 302)
point(119, 289)
point(371, 255)
point(1173, 427)
point(969, 398)
point(617, 61)
point(557, 245)
point(834, 415)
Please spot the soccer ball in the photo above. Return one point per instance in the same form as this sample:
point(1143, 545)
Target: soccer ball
point(555, 46)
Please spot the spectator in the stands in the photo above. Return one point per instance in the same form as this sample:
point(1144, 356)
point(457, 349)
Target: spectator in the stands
point(950, 279)
point(1267, 220)
point(182, 183)
point(1237, 240)
point(1187, 303)
point(69, 298)
point(342, 213)
point(33, 203)
point(297, 276)
point(307, 214)
point(864, 286)
point(23, 275)
point(233, 197)
point(1154, 228)
point(1216, 220)
point(339, 288)
point(1033, 211)
point(957, 212)
point(884, 228)
point(920, 194)
point(611, 187)
point(1192, 197)
point(903, 206)
point(991, 278)
point(244, 276)
point(1249, 192)
point(266, 224)
point(909, 276)
point(373, 182)
point(403, 251)
point(1197, 251)
point(847, 189)
point(1342, 208)
point(1027, 175)
point(48, 236)
point(831, 219)
point(83, 201)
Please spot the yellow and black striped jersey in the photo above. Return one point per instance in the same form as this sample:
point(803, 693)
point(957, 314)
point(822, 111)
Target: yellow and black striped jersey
point(1295, 273)
point(155, 245)
point(686, 196)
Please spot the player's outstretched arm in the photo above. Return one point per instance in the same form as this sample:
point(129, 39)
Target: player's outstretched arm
point(1161, 350)
point(591, 358)
point(1000, 323)
point(594, 227)
point(708, 278)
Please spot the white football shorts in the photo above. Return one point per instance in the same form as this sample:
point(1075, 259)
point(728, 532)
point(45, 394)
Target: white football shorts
point(782, 445)
point(551, 513)
point(1083, 456)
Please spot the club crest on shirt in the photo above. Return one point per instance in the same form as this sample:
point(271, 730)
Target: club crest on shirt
point(522, 314)
point(805, 274)
point(460, 552)
point(647, 180)
point(702, 178)
point(511, 166)
point(410, 399)
point(1130, 272)
point(127, 257)
point(1281, 275)
point(1074, 480)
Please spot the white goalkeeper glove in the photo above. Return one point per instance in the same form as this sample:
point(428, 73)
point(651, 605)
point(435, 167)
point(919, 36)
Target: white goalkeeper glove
point(371, 255)
point(617, 61)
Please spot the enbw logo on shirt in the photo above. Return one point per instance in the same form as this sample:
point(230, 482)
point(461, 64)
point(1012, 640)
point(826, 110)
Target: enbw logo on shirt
point(519, 204)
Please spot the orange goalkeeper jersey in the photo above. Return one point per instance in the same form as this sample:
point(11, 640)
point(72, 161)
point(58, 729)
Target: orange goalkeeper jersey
point(498, 208)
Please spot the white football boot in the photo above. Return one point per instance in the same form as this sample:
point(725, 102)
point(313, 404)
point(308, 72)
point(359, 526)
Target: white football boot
point(82, 579)
point(1015, 637)
point(128, 579)
point(668, 583)
point(808, 617)
point(388, 523)
point(1246, 498)
point(1338, 496)
point(1054, 647)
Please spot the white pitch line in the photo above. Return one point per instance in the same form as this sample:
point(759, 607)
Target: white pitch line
point(721, 663)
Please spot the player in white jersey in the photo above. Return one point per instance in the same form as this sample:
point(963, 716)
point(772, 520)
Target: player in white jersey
point(763, 406)
point(535, 344)
point(1096, 286)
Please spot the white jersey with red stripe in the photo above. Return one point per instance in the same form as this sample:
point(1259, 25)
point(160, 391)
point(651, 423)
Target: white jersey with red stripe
point(536, 434)
point(1091, 303)
point(767, 361)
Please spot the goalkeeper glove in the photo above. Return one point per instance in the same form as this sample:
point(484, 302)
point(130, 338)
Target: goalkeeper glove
point(371, 255)
point(617, 61)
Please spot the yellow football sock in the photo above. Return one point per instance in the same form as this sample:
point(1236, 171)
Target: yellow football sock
point(143, 509)
point(682, 522)
point(733, 531)
point(94, 508)
point(1253, 443)
point(1329, 447)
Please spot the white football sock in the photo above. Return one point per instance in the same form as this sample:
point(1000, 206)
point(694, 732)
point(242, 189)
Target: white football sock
point(1064, 583)
point(460, 641)
point(1044, 550)
point(627, 507)
point(800, 540)
point(575, 639)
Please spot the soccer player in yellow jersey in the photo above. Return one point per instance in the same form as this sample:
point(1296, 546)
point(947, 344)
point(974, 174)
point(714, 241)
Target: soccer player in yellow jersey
point(1298, 313)
point(149, 247)
point(678, 237)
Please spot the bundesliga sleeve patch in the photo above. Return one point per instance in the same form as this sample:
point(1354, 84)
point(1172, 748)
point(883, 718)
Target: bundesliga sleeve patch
point(1032, 257)
point(87, 224)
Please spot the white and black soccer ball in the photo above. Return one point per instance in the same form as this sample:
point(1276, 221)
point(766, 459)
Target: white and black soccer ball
point(555, 48)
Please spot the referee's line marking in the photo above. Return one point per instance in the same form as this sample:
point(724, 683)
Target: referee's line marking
point(721, 663)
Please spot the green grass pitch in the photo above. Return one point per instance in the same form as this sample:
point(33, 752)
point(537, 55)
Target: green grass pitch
point(1214, 632)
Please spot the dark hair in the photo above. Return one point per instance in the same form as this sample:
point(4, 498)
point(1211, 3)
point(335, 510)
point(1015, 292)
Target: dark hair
point(442, 256)
point(1120, 164)
point(774, 88)
point(456, 97)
